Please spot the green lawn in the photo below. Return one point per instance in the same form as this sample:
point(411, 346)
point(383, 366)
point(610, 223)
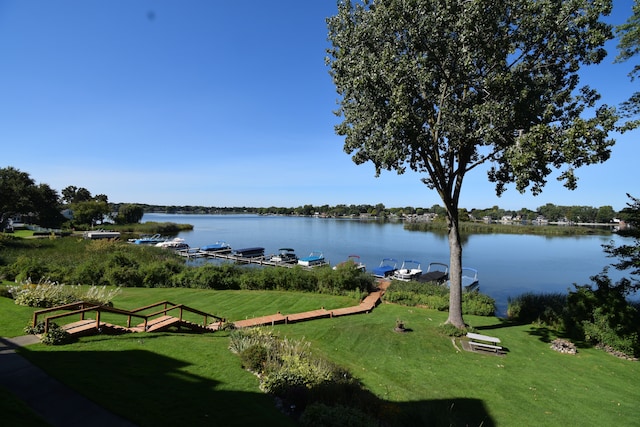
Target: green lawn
point(421, 377)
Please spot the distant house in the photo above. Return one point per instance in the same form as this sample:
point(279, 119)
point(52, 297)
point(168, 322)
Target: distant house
point(67, 213)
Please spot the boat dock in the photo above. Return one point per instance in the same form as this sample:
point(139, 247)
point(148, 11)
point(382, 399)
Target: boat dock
point(264, 260)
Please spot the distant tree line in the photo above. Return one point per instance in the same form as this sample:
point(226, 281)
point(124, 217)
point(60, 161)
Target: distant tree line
point(602, 214)
point(42, 205)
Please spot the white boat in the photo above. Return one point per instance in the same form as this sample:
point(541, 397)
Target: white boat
point(286, 256)
point(315, 258)
point(353, 260)
point(148, 240)
point(410, 270)
point(176, 243)
point(101, 234)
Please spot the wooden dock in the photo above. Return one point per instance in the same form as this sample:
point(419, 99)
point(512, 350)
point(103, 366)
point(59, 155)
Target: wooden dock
point(259, 260)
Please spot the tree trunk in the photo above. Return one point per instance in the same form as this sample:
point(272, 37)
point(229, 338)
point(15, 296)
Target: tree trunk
point(455, 272)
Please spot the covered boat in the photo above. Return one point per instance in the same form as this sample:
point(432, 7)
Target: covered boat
point(148, 240)
point(253, 252)
point(219, 247)
point(436, 272)
point(314, 258)
point(386, 268)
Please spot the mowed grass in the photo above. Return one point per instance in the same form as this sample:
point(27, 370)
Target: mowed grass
point(420, 377)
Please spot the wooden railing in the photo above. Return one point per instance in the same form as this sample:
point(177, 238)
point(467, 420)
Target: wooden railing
point(80, 308)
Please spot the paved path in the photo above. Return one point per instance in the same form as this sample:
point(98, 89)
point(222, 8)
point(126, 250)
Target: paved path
point(56, 403)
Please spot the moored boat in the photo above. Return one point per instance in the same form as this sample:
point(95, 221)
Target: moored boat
point(176, 243)
point(220, 247)
point(315, 258)
point(469, 279)
point(286, 256)
point(353, 260)
point(148, 240)
point(253, 252)
point(101, 234)
point(410, 270)
point(436, 272)
point(386, 268)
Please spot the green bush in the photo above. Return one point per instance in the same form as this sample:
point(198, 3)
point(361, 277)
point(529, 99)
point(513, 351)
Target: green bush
point(604, 316)
point(477, 304)
point(434, 296)
point(55, 336)
point(159, 274)
point(88, 273)
point(38, 329)
point(29, 268)
point(254, 358)
point(50, 294)
point(547, 309)
point(292, 372)
point(44, 294)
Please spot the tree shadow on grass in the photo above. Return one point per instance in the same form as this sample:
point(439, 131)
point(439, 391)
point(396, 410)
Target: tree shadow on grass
point(503, 323)
point(154, 390)
point(151, 389)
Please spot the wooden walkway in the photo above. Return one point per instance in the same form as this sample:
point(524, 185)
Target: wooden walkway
point(162, 321)
point(365, 306)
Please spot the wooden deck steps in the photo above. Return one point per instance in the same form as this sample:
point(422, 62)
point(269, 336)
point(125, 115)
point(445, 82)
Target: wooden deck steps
point(80, 327)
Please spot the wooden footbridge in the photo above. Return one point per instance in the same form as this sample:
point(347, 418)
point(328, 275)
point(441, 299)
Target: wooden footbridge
point(165, 315)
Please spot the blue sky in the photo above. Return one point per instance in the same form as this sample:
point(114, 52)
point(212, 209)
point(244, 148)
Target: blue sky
point(219, 104)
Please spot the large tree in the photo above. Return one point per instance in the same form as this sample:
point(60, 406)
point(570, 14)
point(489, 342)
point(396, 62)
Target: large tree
point(629, 47)
point(16, 194)
point(443, 86)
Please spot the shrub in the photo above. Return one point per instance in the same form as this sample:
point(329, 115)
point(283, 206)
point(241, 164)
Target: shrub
point(35, 330)
point(604, 316)
point(477, 304)
point(291, 371)
point(44, 294)
point(547, 309)
point(123, 276)
point(50, 294)
point(160, 273)
point(55, 336)
point(88, 273)
point(29, 268)
point(453, 331)
point(436, 297)
point(254, 358)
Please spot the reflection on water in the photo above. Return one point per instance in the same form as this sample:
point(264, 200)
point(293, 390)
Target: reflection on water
point(508, 264)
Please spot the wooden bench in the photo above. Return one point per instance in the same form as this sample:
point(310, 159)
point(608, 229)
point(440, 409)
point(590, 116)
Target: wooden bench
point(484, 341)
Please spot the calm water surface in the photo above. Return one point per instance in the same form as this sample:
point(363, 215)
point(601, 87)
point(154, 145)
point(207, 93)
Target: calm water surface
point(508, 265)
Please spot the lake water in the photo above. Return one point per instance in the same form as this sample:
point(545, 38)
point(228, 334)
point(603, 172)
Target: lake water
point(508, 265)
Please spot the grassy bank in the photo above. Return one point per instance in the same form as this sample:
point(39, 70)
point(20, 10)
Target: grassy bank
point(418, 378)
point(474, 227)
